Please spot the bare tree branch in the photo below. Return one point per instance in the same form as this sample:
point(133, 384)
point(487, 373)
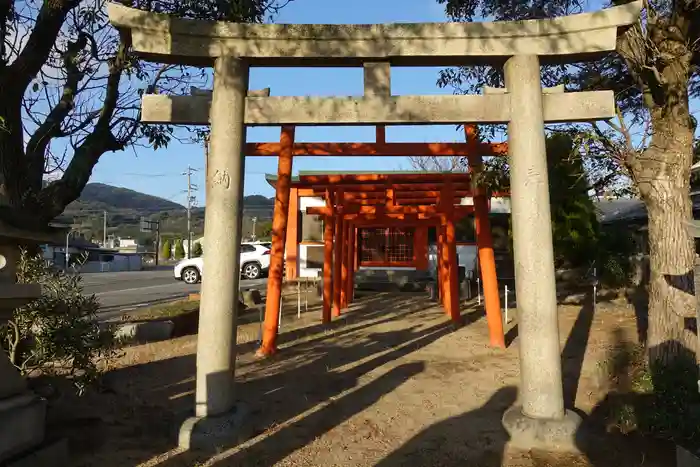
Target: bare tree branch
point(43, 37)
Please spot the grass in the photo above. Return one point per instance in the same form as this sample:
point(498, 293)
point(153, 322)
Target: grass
point(659, 400)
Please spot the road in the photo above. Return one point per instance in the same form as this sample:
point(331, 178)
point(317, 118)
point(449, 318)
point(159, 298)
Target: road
point(120, 291)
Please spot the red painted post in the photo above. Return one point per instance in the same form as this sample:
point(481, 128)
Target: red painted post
point(349, 261)
point(452, 287)
point(279, 237)
point(355, 259)
point(327, 265)
point(337, 263)
point(345, 268)
point(484, 241)
point(441, 272)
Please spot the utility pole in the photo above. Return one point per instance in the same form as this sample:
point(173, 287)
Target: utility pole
point(104, 230)
point(152, 226)
point(190, 198)
point(255, 231)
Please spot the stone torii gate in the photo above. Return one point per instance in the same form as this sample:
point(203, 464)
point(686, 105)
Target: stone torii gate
point(540, 419)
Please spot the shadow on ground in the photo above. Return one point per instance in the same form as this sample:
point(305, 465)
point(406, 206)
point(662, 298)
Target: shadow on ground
point(326, 379)
point(310, 367)
point(436, 445)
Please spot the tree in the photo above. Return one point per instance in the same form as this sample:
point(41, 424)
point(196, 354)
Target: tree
point(437, 163)
point(179, 249)
point(166, 250)
point(265, 230)
point(197, 250)
point(70, 93)
point(575, 229)
point(574, 220)
point(653, 74)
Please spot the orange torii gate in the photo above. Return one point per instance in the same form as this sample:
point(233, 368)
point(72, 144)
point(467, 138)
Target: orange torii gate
point(381, 198)
point(352, 220)
point(346, 213)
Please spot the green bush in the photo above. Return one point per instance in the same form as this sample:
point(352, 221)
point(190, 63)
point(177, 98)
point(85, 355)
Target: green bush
point(574, 221)
point(57, 334)
point(197, 250)
point(166, 250)
point(660, 400)
point(614, 250)
point(179, 249)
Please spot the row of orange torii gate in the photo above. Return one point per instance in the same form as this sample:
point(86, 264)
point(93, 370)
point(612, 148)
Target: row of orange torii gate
point(355, 201)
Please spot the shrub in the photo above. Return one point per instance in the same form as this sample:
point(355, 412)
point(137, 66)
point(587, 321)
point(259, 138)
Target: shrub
point(57, 334)
point(166, 250)
point(615, 249)
point(660, 400)
point(197, 250)
point(179, 249)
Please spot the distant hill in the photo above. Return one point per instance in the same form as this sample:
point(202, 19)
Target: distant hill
point(98, 196)
point(125, 208)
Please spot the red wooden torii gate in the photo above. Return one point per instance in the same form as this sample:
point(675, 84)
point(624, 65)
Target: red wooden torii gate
point(363, 200)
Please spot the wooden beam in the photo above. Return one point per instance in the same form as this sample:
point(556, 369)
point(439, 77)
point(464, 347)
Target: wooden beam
point(319, 189)
point(380, 148)
point(384, 179)
point(382, 210)
point(380, 219)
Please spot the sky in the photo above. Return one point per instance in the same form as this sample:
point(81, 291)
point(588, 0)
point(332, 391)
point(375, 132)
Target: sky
point(160, 172)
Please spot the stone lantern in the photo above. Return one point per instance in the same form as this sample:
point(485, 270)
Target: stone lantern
point(22, 413)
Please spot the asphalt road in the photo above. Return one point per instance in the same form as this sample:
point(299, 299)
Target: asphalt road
point(121, 291)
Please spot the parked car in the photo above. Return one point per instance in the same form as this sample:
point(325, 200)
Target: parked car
point(255, 260)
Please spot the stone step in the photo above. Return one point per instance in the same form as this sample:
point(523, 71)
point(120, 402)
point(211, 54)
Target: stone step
point(22, 420)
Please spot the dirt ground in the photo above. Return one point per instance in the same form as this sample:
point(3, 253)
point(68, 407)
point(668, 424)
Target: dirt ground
point(391, 383)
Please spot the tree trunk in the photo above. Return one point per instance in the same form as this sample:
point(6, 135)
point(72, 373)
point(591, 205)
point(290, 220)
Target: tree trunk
point(12, 170)
point(662, 173)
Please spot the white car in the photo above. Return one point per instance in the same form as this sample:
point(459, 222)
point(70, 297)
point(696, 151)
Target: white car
point(255, 260)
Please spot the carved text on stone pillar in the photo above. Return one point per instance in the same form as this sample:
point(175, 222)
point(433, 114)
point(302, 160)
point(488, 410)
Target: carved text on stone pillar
point(221, 177)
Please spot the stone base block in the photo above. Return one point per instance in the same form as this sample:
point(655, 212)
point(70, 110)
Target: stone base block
point(213, 433)
point(145, 331)
point(551, 435)
point(11, 383)
point(22, 423)
point(49, 454)
point(686, 458)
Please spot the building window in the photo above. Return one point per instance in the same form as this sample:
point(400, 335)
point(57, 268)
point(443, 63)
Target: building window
point(314, 257)
point(311, 228)
point(465, 231)
point(386, 246)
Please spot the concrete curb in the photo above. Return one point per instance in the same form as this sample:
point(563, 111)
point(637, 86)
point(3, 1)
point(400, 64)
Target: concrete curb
point(144, 331)
point(141, 332)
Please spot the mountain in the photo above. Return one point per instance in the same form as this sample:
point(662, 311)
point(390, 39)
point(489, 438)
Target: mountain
point(125, 208)
point(98, 196)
